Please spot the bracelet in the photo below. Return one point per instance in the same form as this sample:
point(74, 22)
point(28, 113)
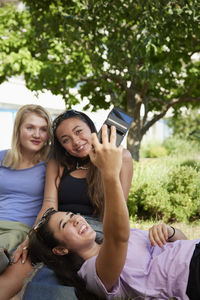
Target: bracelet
point(172, 233)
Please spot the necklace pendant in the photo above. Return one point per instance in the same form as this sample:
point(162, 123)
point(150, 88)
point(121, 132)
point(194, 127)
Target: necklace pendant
point(80, 167)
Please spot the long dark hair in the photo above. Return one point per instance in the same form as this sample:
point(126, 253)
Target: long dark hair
point(41, 243)
point(94, 179)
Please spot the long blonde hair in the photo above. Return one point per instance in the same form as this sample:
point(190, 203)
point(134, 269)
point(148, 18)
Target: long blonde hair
point(13, 157)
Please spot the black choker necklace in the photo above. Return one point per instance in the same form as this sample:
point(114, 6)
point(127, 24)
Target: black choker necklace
point(80, 167)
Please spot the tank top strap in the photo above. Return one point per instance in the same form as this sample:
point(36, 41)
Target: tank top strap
point(66, 171)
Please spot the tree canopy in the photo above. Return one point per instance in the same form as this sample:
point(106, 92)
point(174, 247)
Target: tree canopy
point(139, 55)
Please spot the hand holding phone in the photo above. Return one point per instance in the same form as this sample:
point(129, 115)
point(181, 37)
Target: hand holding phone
point(121, 120)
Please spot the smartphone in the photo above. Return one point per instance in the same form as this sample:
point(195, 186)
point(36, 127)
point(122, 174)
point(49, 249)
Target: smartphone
point(121, 121)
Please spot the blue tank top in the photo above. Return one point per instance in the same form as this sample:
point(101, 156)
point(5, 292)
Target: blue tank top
point(21, 192)
point(73, 195)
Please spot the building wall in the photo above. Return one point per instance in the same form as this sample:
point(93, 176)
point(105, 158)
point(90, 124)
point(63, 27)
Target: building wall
point(14, 94)
point(159, 131)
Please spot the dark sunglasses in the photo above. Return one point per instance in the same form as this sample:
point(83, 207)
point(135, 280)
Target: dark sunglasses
point(47, 213)
point(68, 114)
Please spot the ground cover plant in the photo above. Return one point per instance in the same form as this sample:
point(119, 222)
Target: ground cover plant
point(167, 188)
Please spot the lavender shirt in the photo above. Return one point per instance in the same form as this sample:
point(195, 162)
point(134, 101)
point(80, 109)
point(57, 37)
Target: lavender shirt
point(149, 272)
point(21, 192)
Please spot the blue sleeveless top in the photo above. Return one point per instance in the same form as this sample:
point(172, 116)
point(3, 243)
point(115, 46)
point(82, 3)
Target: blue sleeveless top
point(21, 192)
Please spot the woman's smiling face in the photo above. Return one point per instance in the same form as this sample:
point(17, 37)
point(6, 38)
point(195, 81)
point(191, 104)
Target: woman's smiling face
point(33, 133)
point(72, 231)
point(74, 136)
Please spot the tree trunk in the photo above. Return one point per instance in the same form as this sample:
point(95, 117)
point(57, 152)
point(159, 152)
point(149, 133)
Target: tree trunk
point(134, 142)
point(134, 138)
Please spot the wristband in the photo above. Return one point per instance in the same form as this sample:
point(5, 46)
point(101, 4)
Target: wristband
point(172, 233)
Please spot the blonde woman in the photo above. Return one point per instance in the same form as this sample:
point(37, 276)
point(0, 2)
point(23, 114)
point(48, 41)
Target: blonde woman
point(22, 177)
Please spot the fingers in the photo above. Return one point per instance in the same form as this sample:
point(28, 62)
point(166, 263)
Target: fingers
point(108, 135)
point(104, 134)
point(16, 255)
point(105, 138)
point(106, 155)
point(113, 135)
point(158, 235)
point(95, 143)
point(24, 255)
point(20, 252)
point(94, 140)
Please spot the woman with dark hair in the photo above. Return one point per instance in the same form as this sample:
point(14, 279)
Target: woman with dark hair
point(73, 182)
point(65, 266)
point(72, 143)
point(128, 264)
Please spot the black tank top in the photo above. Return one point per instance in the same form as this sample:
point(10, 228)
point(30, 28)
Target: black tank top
point(73, 195)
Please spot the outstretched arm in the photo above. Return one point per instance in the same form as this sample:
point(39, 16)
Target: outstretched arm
point(111, 258)
point(161, 233)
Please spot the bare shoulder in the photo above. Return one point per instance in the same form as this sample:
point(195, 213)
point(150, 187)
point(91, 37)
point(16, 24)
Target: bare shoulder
point(127, 164)
point(52, 163)
point(126, 155)
point(52, 166)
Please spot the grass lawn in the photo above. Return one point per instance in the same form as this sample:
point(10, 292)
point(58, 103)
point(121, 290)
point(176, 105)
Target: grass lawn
point(192, 231)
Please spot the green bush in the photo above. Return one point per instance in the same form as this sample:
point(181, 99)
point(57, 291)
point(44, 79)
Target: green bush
point(149, 202)
point(177, 146)
point(192, 163)
point(184, 190)
point(157, 151)
point(172, 197)
point(147, 146)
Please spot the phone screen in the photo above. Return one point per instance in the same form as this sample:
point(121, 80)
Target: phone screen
point(121, 115)
point(121, 121)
